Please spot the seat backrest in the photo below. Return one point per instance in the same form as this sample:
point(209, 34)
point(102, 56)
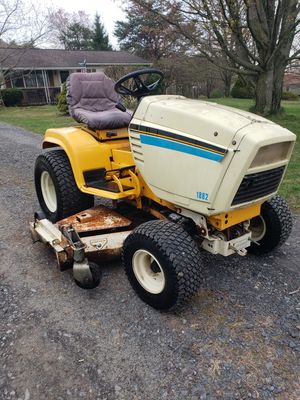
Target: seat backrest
point(91, 91)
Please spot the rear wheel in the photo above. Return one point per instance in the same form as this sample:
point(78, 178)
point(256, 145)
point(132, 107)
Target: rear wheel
point(56, 189)
point(272, 227)
point(163, 264)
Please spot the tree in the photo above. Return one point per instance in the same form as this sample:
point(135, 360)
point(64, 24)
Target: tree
point(100, 40)
point(142, 33)
point(146, 34)
point(76, 37)
point(72, 31)
point(259, 47)
point(242, 90)
point(22, 25)
point(190, 76)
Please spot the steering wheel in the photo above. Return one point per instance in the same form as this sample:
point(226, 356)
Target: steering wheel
point(140, 87)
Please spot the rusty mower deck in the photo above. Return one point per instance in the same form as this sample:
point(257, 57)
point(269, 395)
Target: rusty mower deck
point(97, 232)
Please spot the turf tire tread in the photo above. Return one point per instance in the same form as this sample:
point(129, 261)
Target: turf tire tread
point(279, 221)
point(178, 247)
point(70, 199)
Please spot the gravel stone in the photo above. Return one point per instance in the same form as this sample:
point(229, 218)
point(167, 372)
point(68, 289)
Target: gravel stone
point(235, 339)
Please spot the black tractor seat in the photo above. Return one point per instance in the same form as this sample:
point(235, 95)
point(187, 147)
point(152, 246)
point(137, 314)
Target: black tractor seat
point(93, 101)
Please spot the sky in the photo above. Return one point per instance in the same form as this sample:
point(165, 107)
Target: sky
point(109, 11)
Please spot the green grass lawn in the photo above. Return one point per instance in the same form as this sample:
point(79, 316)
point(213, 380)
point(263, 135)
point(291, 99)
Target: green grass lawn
point(38, 119)
point(290, 187)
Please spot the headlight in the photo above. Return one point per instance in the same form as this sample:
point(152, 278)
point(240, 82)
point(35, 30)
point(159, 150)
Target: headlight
point(272, 153)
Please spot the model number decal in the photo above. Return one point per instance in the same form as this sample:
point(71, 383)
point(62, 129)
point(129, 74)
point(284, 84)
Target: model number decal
point(202, 195)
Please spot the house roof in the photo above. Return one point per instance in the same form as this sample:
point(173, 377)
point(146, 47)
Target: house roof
point(291, 79)
point(20, 58)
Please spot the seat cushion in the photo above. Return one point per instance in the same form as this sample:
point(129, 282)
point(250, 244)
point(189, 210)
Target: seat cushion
point(91, 91)
point(109, 119)
point(92, 99)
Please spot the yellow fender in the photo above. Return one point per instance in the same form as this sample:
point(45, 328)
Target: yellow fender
point(86, 153)
point(83, 150)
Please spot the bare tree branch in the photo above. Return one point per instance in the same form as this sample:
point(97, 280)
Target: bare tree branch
point(256, 36)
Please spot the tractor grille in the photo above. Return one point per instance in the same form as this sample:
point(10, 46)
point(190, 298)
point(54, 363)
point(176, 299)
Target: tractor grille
point(258, 185)
point(136, 146)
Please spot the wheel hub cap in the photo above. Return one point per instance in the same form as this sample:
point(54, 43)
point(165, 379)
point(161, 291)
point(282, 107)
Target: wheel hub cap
point(148, 272)
point(257, 228)
point(48, 191)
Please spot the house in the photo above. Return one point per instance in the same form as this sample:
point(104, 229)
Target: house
point(291, 83)
point(39, 73)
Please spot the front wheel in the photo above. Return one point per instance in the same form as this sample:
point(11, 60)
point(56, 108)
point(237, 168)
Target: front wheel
point(56, 189)
point(162, 263)
point(92, 279)
point(272, 227)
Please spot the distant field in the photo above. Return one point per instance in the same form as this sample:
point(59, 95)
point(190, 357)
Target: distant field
point(39, 118)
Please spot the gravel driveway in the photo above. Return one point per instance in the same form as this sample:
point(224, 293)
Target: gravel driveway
point(237, 339)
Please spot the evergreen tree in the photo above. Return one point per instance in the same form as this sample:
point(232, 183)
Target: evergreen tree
point(62, 104)
point(146, 34)
point(100, 40)
point(76, 36)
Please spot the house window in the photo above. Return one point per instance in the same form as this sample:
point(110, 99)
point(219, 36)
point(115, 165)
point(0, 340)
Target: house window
point(17, 80)
point(27, 79)
point(50, 78)
point(88, 70)
point(39, 79)
point(63, 76)
point(30, 79)
point(7, 82)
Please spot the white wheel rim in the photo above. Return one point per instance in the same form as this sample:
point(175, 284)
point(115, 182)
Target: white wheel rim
point(258, 228)
point(48, 191)
point(148, 272)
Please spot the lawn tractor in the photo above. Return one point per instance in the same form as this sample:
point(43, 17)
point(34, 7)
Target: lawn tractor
point(175, 178)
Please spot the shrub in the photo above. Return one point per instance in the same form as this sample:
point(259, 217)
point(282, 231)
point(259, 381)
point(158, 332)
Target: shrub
point(129, 102)
point(12, 97)
point(216, 94)
point(289, 96)
point(62, 104)
point(242, 90)
point(115, 72)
